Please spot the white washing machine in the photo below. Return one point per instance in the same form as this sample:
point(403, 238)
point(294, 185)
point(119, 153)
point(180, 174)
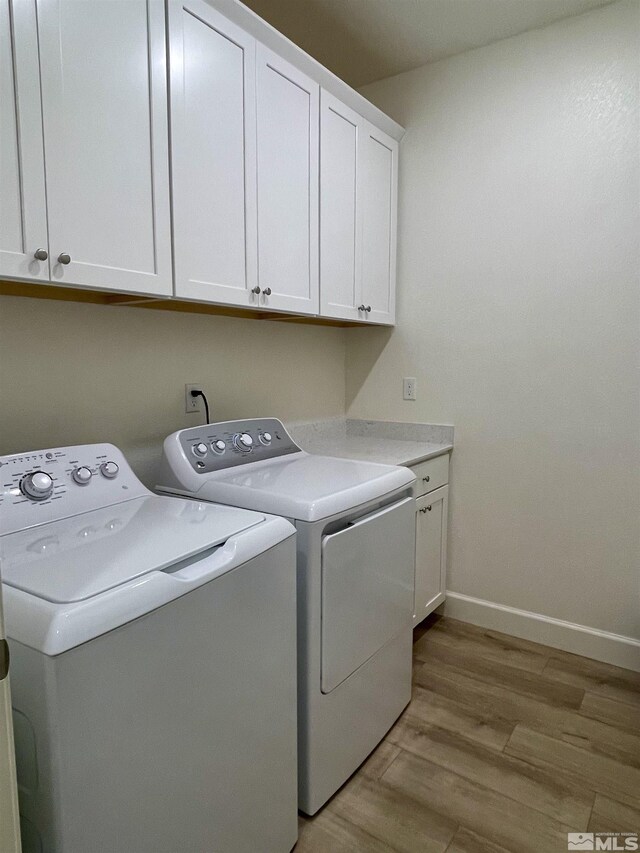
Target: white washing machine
point(153, 662)
point(356, 548)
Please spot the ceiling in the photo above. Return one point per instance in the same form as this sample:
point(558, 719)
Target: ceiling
point(366, 40)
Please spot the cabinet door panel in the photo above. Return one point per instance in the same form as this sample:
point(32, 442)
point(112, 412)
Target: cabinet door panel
point(212, 67)
point(103, 67)
point(379, 206)
point(340, 225)
point(287, 155)
point(23, 213)
point(431, 548)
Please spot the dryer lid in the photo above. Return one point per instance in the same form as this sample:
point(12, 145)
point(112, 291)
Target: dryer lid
point(304, 486)
point(80, 557)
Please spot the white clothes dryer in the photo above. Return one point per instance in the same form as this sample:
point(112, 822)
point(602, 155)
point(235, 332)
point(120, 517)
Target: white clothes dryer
point(356, 548)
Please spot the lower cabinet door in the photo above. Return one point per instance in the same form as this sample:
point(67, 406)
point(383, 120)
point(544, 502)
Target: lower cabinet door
point(431, 552)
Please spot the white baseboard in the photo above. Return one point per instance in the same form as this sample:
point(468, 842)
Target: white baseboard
point(579, 639)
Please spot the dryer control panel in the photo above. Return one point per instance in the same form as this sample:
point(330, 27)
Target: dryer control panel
point(47, 485)
point(214, 447)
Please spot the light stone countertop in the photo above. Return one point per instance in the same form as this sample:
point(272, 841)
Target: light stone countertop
point(387, 442)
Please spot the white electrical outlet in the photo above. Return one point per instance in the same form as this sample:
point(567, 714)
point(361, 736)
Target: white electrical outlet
point(409, 388)
point(192, 404)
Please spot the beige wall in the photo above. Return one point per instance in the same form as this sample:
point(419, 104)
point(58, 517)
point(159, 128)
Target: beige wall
point(519, 311)
point(72, 373)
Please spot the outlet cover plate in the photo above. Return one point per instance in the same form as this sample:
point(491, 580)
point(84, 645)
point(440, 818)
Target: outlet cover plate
point(409, 388)
point(192, 404)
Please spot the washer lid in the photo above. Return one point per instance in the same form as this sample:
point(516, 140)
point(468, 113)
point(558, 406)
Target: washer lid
point(304, 486)
point(80, 557)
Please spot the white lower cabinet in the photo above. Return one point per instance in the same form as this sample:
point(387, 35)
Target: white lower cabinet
point(431, 544)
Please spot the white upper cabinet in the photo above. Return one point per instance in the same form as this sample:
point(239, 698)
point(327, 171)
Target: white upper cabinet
point(23, 217)
point(287, 182)
point(104, 106)
point(275, 200)
point(358, 201)
point(379, 181)
point(213, 144)
point(340, 219)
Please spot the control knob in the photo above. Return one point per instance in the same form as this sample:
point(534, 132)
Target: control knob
point(82, 475)
point(109, 470)
point(243, 441)
point(38, 486)
point(200, 449)
point(265, 438)
point(219, 446)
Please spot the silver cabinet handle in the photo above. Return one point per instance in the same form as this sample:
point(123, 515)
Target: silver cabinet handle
point(368, 309)
point(267, 291)
point(426, 479)
point(429, 508)
point(41, 254)
point(64, 258)
point(255, 290)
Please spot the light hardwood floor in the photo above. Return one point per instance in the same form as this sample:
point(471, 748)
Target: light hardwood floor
point(507, 745)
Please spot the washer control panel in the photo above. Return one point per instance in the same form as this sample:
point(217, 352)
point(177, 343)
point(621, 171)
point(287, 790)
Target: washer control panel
point(214, 447)
point(46, 485)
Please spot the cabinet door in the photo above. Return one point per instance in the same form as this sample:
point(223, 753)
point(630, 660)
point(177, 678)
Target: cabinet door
point(212, 82)
point(287, 154)
point(23, 212)
point(431, 552)
point(379, 164)
point(104, 102)
point(340, 215)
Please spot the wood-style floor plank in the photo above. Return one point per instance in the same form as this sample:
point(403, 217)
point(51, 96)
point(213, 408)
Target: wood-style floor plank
point(465, 841)
point(520, 681)
point(600, 738)
point(611, 816)
point(436, 710)
point(408, 825)
point(471, 642)
point(596, 772)
point(487, 700)
point(603, 679)
point(532, 786)
point(505, 821)
point(379, 760)
point(618, 714)
point(329, 833)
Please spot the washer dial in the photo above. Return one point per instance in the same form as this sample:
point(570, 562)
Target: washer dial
point(37, 486)
point(243, 441)
point(82, 475)
point(109, 470)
